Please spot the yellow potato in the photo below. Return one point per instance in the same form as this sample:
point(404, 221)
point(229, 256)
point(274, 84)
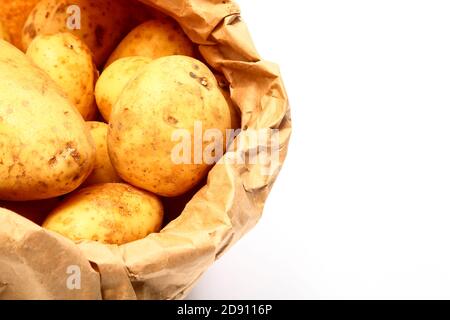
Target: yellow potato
point(101, 24)
point(154, 39)
point(171, 96)
point(68, 61)
point(14, 13)
point(3, 33)
point(113, 80)
point(46, 149)
point(103, 171)
point(111, 213)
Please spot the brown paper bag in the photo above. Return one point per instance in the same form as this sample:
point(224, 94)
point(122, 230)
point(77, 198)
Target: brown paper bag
point(38, 264)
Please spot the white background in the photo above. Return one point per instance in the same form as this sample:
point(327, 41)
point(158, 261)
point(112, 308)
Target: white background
point(362, 207)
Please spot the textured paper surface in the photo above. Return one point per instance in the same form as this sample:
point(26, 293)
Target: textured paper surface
point(34, 262)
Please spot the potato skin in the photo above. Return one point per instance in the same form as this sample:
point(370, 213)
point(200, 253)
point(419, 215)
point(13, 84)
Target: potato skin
point(68, 61)
point(170, 94)
point(14, 13)
point(111, 213)
point(46, 149)
point(154, 39)
point(103, 22)
point(113, 80)
point(103, 171)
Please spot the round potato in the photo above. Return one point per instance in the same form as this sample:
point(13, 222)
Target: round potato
point(108, 213)
point(14, 13)
point(68, 61)
point(46, 149)
point(113, 80)
point(103, 171)
point(173, 97)
point(154, 39)
point(101, 24)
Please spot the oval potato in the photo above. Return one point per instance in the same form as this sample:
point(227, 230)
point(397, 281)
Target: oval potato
point(14, 13)
point(68, 61)
point(101, 24)
point(113, 80)
point(103, 171)
point(46, 149)
point(111, 213)
point(154, 39)
point(172, 96)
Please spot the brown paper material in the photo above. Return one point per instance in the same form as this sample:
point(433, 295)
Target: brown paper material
point(35, 263)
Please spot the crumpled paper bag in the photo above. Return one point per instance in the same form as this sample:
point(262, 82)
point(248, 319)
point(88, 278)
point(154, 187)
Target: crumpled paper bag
point(38, 264)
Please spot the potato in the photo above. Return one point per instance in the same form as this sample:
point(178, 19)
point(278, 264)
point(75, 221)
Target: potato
point(68, 61)
point(103, 171)
point(154, 39)
point(35, 211)
point(46, 149)
point(3, 33)
point(111, 213)
point(102, 23)
point(170, 95)
point(14, 13)
point(114, 79)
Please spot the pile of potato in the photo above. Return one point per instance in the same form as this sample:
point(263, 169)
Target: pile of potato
point(85, 153)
